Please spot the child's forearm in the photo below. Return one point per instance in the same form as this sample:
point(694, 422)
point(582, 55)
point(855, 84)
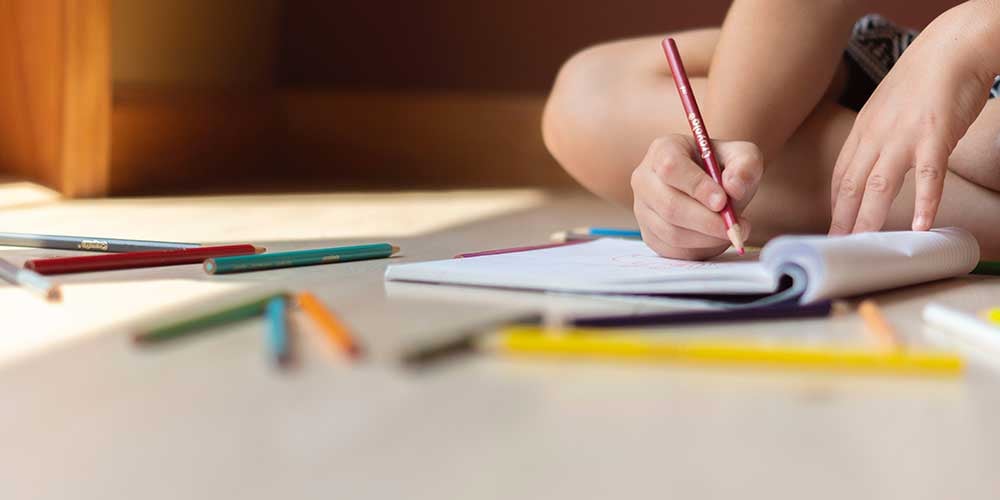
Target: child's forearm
point(984, 26)
point(774, 62)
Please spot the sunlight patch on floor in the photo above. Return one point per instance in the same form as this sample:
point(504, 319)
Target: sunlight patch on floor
point(22, 193)
point(90, 309)
point(208, 219)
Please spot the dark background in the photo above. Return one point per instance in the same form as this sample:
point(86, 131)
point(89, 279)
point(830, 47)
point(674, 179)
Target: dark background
point(515, 45)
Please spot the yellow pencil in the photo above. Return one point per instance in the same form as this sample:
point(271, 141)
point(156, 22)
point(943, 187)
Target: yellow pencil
point(992, 315)
point(334, 329)
point(611, 345)
point(877, 326)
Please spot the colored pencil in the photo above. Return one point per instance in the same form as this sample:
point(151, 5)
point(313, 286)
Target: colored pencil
point(605, 344)
point(132, 260)
point(30, 280)
point(89, 243)
point(593, 233)
point(768, 312)
point(335, 330)
point(701, 136)
point(459, 342)
point(609, 232)
point(987, 267)
point(992, 316)
point(517, 249)
point(224, 265)
point(570, 236)
point(231, 312)
point(278, 341)
point(877, 326)
point(964, 327)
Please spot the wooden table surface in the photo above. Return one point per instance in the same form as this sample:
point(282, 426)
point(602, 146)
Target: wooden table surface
point(85, 414)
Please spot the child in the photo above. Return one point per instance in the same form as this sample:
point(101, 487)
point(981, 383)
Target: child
point(881, 126)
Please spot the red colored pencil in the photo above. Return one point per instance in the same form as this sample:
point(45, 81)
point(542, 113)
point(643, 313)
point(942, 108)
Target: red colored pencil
point(686, 93)
point(518, 249)
point(131, 260)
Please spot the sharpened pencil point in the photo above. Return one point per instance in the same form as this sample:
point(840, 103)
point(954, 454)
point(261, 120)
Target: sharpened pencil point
point(735, 235)
point(395, 249)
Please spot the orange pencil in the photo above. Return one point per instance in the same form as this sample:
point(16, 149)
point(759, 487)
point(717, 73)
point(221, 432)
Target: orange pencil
point(335, 330)
point(877, 325)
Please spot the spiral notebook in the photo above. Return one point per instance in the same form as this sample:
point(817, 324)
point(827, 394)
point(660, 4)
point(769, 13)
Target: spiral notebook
point(818, 267)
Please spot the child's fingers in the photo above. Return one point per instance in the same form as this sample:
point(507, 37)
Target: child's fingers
point(675, 206)
point(843, 160)
point(880, 191)
point(681, 210)
point(670, 159)
point(744, 166)
point(931, 167)
point(850, 191)
point(673, 235)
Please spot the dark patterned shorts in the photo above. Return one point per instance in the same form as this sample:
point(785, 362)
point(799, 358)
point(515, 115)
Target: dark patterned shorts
point(875, 46)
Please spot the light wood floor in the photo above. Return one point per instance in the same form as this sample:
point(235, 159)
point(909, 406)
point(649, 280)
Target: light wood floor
point(84, 414)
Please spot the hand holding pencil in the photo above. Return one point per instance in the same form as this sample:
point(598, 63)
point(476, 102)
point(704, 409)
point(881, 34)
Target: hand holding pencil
point(685, 204)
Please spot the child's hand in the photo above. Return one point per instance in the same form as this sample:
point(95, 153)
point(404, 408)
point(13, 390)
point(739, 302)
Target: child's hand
point(913, 121)
point(677, 204)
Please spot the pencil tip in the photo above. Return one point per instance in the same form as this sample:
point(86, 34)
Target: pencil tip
point(54, 294)
point(395, 249)
point(735, 234)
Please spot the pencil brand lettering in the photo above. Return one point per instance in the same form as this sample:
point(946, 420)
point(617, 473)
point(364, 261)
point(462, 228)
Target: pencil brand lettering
point(93, 245)
point(700, 136)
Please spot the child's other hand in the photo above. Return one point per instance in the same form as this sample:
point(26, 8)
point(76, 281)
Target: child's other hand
point(914, 120)
point(677, 203)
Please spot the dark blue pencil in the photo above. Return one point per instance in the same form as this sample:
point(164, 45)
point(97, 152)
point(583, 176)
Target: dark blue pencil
point(776, 311)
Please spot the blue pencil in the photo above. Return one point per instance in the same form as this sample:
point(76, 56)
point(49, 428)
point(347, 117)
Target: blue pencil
point(610, 232)
point(593, 233)
point(277, 330)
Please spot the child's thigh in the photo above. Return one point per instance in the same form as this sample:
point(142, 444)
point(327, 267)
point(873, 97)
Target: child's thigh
point(977, 156)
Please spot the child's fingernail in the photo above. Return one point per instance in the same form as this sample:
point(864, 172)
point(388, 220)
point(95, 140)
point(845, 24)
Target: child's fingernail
point(921, 223)
point(717, 200)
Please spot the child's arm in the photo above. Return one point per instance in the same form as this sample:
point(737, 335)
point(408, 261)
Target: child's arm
point(774, 62)
point(915, 119)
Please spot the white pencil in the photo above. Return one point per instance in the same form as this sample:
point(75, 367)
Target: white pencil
point(29, 279)
point(964, 327)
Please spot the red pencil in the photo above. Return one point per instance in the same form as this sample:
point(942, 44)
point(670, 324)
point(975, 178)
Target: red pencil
point(130, 260)
point(686, 93)
point(518, 249)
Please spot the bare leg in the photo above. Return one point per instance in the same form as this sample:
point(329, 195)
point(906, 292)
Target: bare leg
point(611, 101)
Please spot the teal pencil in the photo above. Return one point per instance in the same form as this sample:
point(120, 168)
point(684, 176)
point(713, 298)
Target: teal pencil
point(277, 330)
point(259, 262)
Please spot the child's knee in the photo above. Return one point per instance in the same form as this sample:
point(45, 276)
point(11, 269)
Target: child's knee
point(577, 110)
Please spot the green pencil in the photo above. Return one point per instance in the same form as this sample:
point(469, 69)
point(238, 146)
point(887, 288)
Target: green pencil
point(230, 313)
point(988, 267)
point(259, 262)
